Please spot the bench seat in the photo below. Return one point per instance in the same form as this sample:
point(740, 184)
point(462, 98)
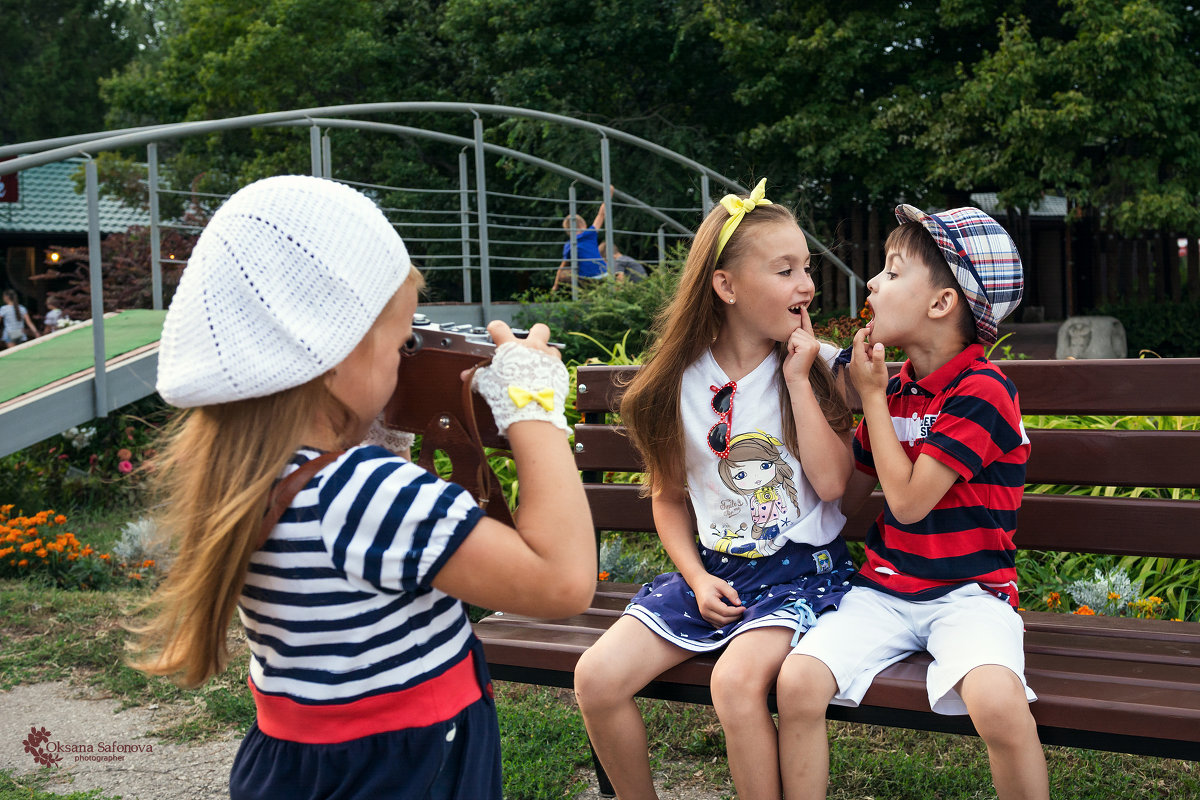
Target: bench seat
point(1123, 681)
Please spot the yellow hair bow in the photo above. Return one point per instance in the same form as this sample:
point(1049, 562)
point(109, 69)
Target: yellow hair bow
point(544, 397)
point(739, 207)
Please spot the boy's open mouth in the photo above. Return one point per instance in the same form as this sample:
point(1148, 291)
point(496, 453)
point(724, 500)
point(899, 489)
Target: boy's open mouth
point(796, 309)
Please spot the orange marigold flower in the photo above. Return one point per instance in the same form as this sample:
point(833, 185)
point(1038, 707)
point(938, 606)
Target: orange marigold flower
point(72, 556)
point(105, 556)
point(1085, 611)
point(603, 576)
point(148, 563)
point(1114, 595)
point(42, 552)
point(60, 519)
point(8, 551)
point(24, 562)
point(29, 547)
point(137, 576)
point(1053, 600)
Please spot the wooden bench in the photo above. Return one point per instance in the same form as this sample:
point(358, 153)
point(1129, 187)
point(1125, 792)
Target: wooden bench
point(1105, 683)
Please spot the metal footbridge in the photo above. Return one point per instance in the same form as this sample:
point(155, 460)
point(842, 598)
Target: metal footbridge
point(68, 378)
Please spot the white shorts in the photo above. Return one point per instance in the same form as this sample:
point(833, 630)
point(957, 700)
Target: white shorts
point(870, 630)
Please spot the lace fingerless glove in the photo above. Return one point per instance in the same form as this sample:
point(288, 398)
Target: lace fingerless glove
point(390, 439)
point(523, 384)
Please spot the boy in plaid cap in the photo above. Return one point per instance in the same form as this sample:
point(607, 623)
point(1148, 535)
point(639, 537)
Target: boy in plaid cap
point(945, 441)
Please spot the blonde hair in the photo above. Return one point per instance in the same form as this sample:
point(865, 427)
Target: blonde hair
point(216, 468)
point(683, 331)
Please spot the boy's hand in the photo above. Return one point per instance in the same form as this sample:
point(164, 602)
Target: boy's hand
point(803, 349)
point(868, 367)
point(711, 594)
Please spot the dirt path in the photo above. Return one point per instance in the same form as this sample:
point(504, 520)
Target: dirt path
point(125, 761)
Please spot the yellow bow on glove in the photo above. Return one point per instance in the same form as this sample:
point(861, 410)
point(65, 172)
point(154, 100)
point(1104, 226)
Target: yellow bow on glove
point(544, 397)
point(739, 207)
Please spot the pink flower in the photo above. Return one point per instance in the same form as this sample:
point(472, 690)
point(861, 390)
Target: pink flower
point(125, 466)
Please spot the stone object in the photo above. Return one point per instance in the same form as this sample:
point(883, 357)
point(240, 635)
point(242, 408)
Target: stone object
point(1091, 337)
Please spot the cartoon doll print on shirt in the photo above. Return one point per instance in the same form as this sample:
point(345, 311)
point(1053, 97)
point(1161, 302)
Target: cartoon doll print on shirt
point(756, 469)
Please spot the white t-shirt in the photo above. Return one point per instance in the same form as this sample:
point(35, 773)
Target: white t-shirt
point(757, 498)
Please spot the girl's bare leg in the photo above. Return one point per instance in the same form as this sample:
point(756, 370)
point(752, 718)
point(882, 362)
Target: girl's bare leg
point(741, 679)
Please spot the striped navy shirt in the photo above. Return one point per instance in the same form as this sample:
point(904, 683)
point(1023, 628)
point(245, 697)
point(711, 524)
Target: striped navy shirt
point(967, 416)
point(338, 604)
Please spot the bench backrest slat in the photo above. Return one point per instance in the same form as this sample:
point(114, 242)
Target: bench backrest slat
point(1150, 459)
point(1085, 457)
point(1147, 386)
point(1046, 522)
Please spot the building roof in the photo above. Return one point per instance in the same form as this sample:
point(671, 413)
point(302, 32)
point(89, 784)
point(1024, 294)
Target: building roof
point(1048, 206)
point(49, 204)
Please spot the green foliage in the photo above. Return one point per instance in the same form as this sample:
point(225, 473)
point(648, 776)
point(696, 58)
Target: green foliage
point(1101, 107)
point(53, 52)
point(623, 561)
point(613, 315)
point(542, 743)
point(29, 787)
point(94, 465)
point(1163, 329)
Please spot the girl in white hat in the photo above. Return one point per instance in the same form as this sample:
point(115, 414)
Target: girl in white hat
point(283, 342)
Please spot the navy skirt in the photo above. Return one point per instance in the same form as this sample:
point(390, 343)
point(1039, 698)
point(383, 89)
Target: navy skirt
point(788, 589)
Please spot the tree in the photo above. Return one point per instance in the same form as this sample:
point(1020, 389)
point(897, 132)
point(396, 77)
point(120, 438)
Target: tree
point(1105, 112)
point(54, 51)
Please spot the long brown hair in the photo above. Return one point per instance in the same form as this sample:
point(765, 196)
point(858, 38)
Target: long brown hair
point(216, 469)
point(683, 331)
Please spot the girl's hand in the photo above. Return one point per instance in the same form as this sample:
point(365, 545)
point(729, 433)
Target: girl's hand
point(803, 349)
point(711, 594)
point(538, 339)
point(868, 367)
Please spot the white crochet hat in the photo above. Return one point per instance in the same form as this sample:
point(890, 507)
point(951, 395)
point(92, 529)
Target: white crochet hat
point(286, 279)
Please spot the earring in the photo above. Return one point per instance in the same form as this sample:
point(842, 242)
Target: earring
point(731, 301)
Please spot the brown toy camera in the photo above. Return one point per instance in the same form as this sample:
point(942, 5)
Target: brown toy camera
point(432, 399)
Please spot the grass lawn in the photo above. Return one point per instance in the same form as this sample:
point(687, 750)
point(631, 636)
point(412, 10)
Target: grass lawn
point(51, 634)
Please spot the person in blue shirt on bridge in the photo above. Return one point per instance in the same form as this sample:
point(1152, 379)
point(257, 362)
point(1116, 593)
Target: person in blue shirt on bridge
point(591, 262)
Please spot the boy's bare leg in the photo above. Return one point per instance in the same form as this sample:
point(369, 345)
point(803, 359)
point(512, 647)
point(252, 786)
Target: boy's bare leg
point(741, 679)
point(805, 688)
point(997, 704)
point(621, 662)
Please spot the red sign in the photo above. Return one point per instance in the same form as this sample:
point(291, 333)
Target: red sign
point(8, 187)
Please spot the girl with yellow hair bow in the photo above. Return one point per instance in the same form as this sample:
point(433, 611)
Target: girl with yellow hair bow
point(737, 417)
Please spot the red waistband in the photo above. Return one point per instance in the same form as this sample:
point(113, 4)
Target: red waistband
point(435, 700)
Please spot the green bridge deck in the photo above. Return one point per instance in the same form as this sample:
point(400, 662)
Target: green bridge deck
point(41, 362)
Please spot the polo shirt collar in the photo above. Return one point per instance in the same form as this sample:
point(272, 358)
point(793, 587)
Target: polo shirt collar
point(940, 378)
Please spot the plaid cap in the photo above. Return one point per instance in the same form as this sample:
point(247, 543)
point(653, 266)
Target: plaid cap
point(983, 258)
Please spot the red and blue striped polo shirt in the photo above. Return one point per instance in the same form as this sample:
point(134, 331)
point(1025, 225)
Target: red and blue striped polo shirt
point(967, 416)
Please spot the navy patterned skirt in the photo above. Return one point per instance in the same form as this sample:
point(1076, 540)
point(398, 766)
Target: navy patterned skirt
point(789, 589)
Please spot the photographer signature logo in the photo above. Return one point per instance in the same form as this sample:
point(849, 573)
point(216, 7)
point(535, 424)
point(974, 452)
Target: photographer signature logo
point(33, 745)
point(48, 752)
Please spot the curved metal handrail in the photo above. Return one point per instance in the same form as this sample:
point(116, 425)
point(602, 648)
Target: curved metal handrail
point(70, 146)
